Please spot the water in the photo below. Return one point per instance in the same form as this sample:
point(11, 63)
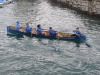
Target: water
point(22, 55)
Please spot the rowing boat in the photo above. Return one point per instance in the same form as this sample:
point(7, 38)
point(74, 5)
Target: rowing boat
point(66, 36)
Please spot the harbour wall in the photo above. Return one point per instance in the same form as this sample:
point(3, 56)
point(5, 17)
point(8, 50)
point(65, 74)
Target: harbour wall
point(91, 7)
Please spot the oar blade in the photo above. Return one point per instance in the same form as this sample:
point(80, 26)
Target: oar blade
point(84, 41)
point(87, 44)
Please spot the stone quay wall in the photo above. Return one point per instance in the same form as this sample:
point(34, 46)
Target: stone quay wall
point(92, 7)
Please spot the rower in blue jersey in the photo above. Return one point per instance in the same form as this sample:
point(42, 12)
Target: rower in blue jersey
point(77, 32)
point(28, 28)
point(54, 33)
point(40, 30)
point(17, 25)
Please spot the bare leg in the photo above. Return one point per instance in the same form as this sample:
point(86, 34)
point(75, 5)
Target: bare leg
point(44, 33)
point(22, 30)
point(59, 35)
point(34, 32)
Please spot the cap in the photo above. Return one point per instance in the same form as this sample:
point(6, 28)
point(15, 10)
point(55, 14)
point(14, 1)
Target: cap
point(18, 21)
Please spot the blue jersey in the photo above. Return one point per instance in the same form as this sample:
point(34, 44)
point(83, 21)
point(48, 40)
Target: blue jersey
point(28, 29)
point(78, 33)
point(17, 26)
point(39, 30)
point(52, 32)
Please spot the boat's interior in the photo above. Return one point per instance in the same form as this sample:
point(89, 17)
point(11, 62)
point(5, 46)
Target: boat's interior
point(61, 33)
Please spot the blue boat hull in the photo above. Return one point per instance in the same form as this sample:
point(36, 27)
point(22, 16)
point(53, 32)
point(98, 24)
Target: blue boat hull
point(71, 38)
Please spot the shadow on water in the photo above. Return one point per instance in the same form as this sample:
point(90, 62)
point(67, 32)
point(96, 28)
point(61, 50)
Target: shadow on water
point(57, 47)
point(16, 36)
point(78, 43)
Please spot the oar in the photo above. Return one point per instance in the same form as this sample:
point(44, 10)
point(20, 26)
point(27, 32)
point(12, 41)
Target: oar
point(31, 34)
point(84, 41)
point(58, 44)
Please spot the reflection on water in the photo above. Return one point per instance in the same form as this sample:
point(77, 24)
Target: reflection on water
point(16, 36)
point(22, 55)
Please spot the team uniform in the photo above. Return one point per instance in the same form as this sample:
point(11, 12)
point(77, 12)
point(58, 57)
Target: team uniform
point(28, 29)
point(52, 32)
point(39, 30)
point(78, 33)
point(17, 25)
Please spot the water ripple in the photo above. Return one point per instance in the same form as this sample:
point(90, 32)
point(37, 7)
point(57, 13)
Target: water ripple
point(22, 55)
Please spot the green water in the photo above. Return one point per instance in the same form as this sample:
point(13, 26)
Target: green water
point(22, 55)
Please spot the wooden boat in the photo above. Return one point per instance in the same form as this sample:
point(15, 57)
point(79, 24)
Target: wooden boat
point(66, 36)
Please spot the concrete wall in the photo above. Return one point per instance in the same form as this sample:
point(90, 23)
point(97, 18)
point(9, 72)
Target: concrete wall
point(89, 6)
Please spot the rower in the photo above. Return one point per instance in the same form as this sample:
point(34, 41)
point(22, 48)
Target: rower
point(40, 30)
point(54, 33)
point(28, 28)
point(17, 25)
point(77, 32)
point(18, 28)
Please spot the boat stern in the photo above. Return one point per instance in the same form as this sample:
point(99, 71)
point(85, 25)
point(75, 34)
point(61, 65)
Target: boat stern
point(10, 30)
